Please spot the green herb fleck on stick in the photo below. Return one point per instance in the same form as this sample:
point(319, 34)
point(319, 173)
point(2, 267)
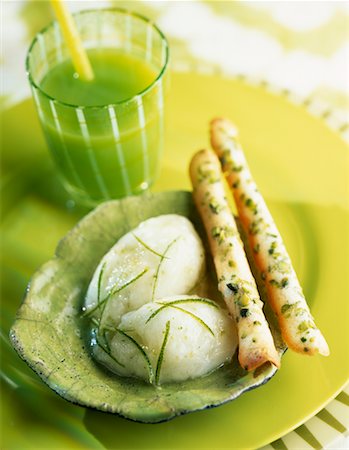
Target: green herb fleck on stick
point(279, 284)
point(272, 247)
point(221, 233)
point(215, 207)
point(256, 248)
point(244, 312)
point(251, 205)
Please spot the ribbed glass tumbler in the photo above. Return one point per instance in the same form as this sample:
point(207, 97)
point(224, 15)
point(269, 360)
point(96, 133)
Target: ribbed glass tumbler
point(113, 150)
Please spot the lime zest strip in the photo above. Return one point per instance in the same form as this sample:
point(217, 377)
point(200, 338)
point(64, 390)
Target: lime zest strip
point(147, 246)
point(189, 313)
point(113, 291)
point(195, 317)
point(179, 301)
point(156, 276)
point(142, 351)
point(207, 301)
point(107, 351)
point(106, 340)
point(101, 272)
point(161, 354)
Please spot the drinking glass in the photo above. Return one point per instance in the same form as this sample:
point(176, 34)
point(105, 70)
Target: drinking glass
point(114, 150)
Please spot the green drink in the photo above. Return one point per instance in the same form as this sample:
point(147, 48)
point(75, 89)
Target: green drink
point(118, 76)
point(105, 135)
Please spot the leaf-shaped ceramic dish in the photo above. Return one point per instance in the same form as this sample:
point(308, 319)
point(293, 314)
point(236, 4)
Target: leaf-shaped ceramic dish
point(49, 333)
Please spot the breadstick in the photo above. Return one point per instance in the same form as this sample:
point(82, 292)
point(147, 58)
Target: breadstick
point(271, 258)
point(235, 281)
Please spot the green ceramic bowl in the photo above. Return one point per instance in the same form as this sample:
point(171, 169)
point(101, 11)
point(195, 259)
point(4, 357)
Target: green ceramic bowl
point(50, 335)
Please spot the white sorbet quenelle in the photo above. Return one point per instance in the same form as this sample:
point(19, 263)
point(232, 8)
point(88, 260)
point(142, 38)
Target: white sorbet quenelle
point(183, 337)
point(148, 322)
point(163, 256)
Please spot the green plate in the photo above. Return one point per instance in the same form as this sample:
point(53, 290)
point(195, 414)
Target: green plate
point(300, 166)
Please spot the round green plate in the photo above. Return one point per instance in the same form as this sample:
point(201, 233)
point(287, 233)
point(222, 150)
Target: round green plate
point(301, 168)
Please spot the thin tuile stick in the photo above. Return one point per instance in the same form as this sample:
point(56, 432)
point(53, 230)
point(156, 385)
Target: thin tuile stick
point(271, 258)
point(235, 280)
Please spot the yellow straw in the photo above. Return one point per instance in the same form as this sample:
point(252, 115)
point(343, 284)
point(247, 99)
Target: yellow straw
point(78, 54)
